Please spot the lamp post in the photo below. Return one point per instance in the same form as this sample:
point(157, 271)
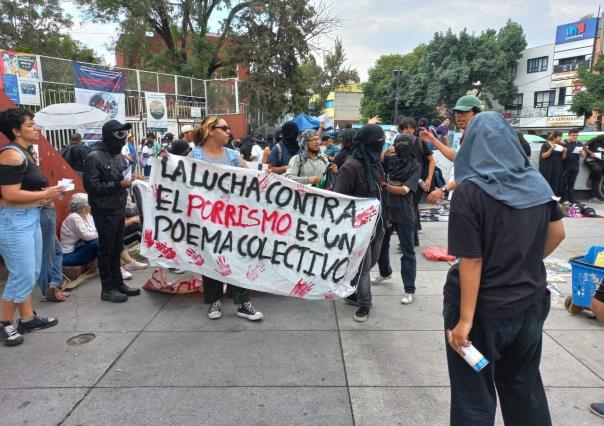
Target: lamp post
point(397, 76)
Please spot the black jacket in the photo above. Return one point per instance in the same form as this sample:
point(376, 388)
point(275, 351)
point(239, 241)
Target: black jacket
point(102, 177)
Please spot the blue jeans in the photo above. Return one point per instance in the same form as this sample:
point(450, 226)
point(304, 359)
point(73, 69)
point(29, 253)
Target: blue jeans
point(147, 170)
point(52, 255)
point(21, 249)
point(82, 255)
point(406, 232)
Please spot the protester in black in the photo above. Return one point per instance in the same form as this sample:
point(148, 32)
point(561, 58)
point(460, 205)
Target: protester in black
point(75, 152)
point(552, 155)
point(362, 176)
point(285, 149)
point(502, 224)
point(345, 141)
point(595, 163)
point(571, 165)
point(526, 147)
point(106, 187)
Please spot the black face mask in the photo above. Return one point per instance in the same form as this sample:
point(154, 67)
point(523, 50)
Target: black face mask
point(404, 150)
point(113, 143)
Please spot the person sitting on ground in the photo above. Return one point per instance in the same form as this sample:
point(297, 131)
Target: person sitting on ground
point(210, 138)
point(75, 152)
point(80, 239)
point(309, 165)
point(284, 150)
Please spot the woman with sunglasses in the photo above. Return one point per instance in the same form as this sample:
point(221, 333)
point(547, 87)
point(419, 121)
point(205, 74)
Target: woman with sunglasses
point(210, 139)
point(23, 189)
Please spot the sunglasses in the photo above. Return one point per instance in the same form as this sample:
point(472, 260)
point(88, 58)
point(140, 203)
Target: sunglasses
point(224, 128)
point(120, 134)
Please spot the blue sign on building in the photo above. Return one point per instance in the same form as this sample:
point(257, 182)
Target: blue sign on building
point(577, 31)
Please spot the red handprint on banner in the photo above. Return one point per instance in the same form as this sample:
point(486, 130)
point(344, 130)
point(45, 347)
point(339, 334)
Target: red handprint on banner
point(165, 251)
point(196, 257)
point(253, 272)
point(148, 236)
point(264, 180)
point(301, 189)
point(364, 217)
point(224, 268)
point(302, 288)
point(329, 296)
point(153, 189)
point(358, 254)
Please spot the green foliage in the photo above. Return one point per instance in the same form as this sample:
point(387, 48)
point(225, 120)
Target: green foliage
point(39, 26)
point(437, 74)
point(592, 99)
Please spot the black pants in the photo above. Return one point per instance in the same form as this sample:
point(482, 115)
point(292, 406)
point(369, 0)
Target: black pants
point(213, 291)
point(596, 168)
point(384, 259)
point(513, 347)
point(417, 196)
point(111, 234)
point(568, 185)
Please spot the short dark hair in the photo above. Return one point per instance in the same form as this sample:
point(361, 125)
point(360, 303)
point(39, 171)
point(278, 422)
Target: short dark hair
point(553, 135)
point(422, 122)
point(436, 122)
point(13, 118)
point(75, 137)
point(151, 135)
point(574, 131)
point(407, 123)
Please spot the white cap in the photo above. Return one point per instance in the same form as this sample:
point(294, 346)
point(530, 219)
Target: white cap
point(186, 128)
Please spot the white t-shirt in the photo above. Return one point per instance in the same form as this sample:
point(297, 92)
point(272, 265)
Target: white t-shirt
point(145, 154)
point(258, 152)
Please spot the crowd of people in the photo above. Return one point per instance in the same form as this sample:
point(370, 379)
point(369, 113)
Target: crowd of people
point(504, 219)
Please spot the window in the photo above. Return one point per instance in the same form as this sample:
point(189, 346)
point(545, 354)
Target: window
point(562, 96)
point(537, 64)
point(573, 60)
point(516, 103)
point(545, 99)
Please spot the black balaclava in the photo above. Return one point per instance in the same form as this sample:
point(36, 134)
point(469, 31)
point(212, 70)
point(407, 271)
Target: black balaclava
point(290, 136)
point(367, 147)
point(405, 163)
point(113, 144)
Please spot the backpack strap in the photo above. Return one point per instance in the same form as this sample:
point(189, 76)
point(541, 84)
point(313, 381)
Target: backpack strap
point(14, 148)
point(279, 152)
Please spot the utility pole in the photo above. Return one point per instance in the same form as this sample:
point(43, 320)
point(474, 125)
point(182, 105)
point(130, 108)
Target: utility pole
point(397, 75)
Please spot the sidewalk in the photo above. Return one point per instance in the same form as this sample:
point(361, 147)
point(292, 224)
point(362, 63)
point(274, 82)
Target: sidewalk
point(158, 359)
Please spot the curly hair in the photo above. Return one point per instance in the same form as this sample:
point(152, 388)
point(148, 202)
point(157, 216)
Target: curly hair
point(78, 202)
point(13, 118)
point(201, 133)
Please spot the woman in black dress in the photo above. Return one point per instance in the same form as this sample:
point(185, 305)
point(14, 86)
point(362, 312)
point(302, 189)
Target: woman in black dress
point(552, 154)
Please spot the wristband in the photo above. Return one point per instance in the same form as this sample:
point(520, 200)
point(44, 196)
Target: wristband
point(444, 190)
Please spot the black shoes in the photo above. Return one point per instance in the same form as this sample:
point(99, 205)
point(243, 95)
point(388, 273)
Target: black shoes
point(36, 323)
point(129, 291)
point(362, 314)
point(113, 296)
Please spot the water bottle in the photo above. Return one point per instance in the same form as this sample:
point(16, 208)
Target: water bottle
point(473, 357)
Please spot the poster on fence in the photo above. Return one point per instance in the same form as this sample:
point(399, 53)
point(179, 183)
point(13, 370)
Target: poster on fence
point(255, 229)
point(101, 88)
point(157, 111)
point(20, 77)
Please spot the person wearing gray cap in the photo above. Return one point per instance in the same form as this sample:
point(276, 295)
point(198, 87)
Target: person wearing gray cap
point(104, 182)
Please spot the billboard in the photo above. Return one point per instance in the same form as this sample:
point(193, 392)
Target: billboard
point(576, 31)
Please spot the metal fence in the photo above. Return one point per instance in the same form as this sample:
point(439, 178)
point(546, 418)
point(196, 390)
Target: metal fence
point(188, 99)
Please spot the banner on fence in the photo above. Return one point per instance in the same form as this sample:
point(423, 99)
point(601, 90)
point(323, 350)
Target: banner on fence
point(101, 88)
point(157, 111)
point(20, 77)
point(254, 229)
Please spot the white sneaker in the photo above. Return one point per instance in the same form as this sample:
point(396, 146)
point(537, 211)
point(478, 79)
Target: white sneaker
point(379, 279)
point(134, 266)
point(246, 310)
point(215, 311)
point(125, 274)
point(407, 299)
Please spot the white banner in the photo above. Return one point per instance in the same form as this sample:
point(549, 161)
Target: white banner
point(113, 104)
point(157, 111)
point(255, 229)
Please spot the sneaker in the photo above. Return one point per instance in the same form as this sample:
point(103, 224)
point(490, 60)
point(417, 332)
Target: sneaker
point(597, 408)
point(176, 271)
point(362, 314)
point(408, 298)
point(36, 323)
point(135, 266)
point(379, 279)
point(10, 336)
point(215, 311)
point(246, 310)
point(352, 299)
point(125, 274)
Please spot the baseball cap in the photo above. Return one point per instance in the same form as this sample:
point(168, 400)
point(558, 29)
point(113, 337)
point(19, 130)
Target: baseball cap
point(186, 128)
point(113, 126)
point(466, 103)
point(180, 147)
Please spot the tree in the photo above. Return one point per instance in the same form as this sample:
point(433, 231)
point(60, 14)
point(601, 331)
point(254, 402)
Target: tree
point(38, 26)
point(592, 98)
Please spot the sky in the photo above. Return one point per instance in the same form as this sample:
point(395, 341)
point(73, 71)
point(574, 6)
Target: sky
point(371, 28)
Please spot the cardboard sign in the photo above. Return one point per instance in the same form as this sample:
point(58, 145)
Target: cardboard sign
point(255, 229)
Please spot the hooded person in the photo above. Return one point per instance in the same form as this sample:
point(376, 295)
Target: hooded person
point(345, 140)
point(309, 165)
point(104, 182)
point(503, 222)
point(283, 151)
point(402, 175)
point(362, 176)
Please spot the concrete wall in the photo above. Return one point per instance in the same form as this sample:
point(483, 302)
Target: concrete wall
point(347, 106)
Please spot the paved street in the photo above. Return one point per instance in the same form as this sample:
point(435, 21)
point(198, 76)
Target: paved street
point(158, 359)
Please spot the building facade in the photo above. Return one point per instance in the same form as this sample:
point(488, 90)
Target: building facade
point(546, 78)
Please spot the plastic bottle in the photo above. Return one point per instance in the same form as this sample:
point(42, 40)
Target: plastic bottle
point(473, 357)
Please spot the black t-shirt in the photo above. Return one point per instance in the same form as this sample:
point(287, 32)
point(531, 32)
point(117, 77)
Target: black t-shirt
point(572, 160)
point(28, 174)
point(597, 145)
point(74, 154)
point(422, 153)
point(509, 241)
